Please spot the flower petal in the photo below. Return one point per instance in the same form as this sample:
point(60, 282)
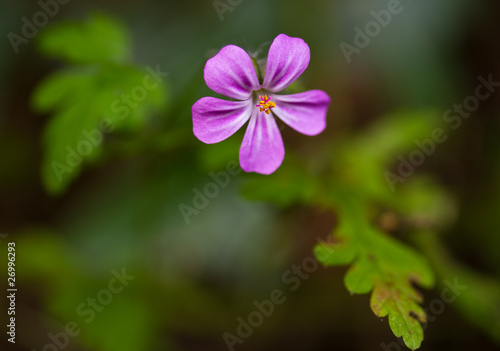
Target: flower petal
point(305, 112)
point(215, 120)
point(288, 58)
point(262, 149)
point(231, 73)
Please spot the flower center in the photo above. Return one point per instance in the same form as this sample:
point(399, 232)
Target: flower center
point(265, 104)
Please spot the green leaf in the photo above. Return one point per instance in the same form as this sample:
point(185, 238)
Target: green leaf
point(402, 309)
point(334, 254)
point(425, 203)
point(98, 39)
point(127, 334)
point(88, 101)
point(363, 161)
point(382, 265)
point(80, 100)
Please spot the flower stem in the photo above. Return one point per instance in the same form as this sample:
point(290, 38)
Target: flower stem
point(258, 70)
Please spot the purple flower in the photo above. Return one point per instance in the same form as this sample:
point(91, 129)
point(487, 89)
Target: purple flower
point(231, 73)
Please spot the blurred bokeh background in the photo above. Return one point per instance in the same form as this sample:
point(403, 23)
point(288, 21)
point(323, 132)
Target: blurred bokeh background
point(123, 207)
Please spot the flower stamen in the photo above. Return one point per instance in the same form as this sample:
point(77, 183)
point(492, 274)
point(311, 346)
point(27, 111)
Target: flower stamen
point(265, 104)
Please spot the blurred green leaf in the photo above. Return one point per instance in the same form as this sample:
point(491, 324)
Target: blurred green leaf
point(425, 203)
point(86, 99)
point(98, 39)
point(363, 161)
point(132, 321)
point(90, 101)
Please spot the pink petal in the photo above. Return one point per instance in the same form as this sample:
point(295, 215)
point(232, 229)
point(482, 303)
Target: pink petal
point(215, 120)
point(305, 112)
point(262, 149)
point(231, 73)
point(288, 58)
